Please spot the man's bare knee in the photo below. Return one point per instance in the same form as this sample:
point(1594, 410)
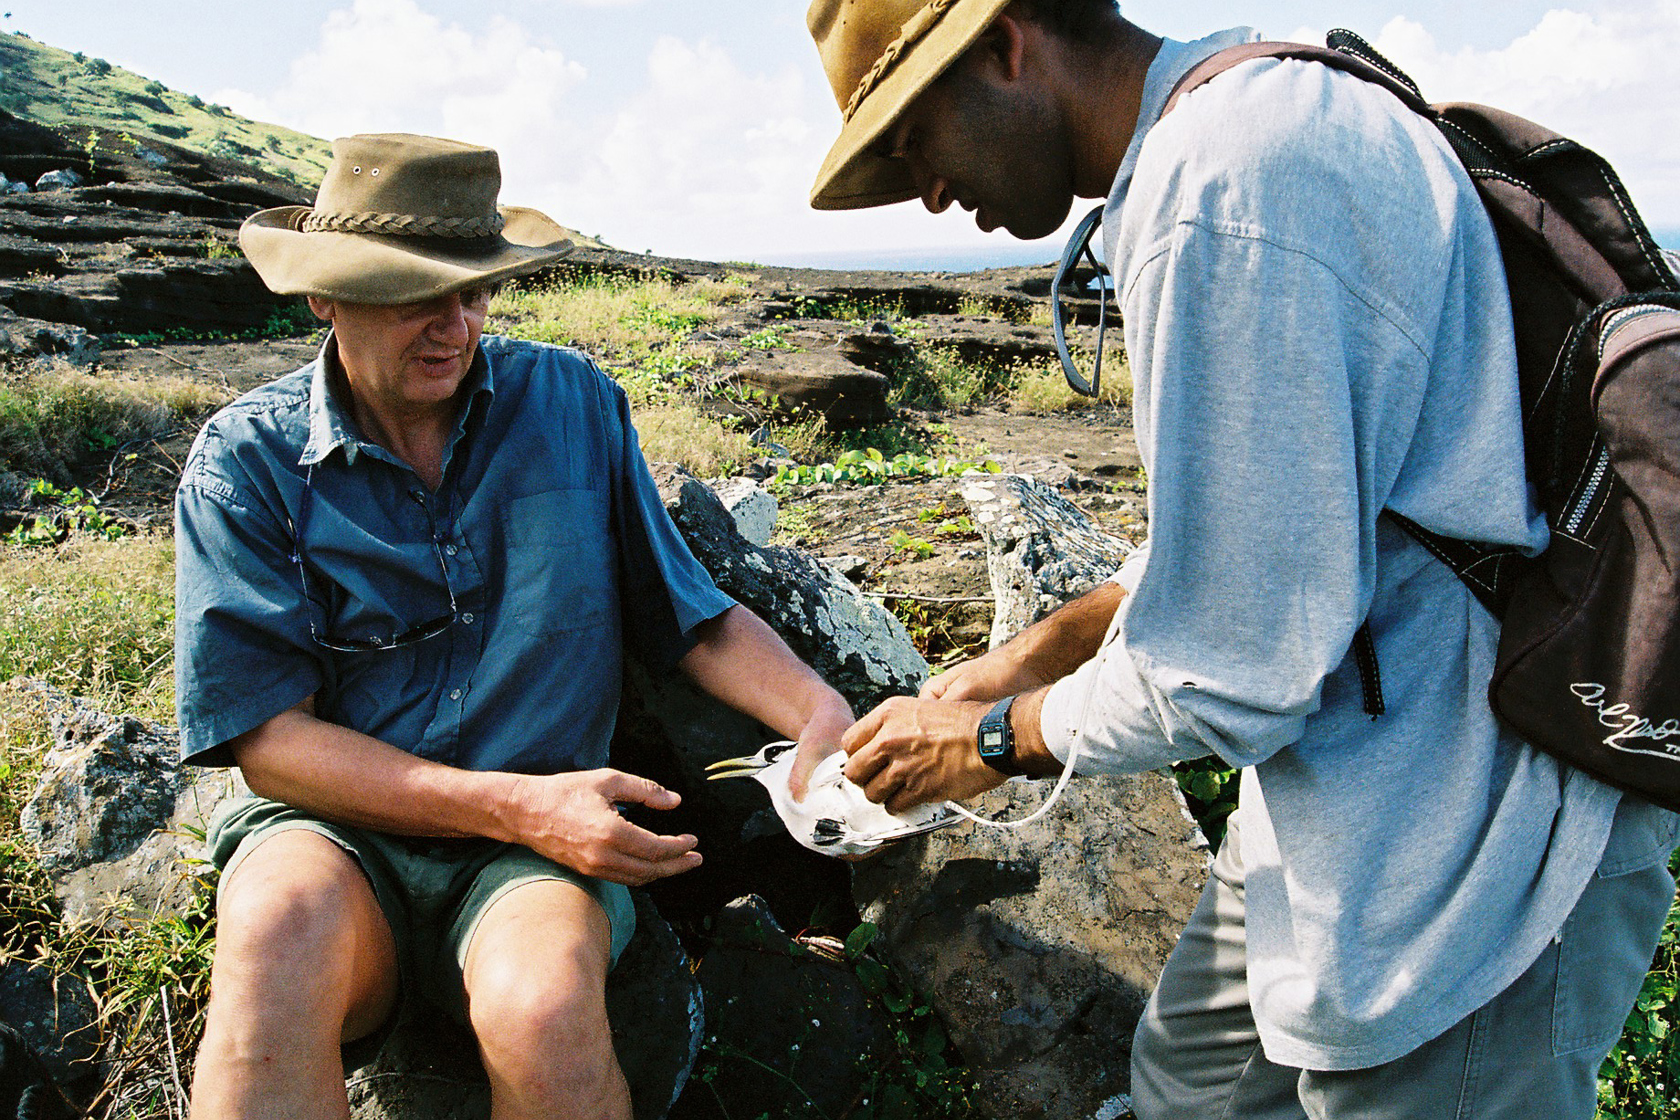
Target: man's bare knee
point(299, 929)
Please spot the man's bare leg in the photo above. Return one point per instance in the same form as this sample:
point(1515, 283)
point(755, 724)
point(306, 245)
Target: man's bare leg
point(536, 979)
point(304, 961)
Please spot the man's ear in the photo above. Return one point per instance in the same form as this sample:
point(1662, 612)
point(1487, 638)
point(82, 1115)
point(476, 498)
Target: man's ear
point(321, 307)
point(1005, 44)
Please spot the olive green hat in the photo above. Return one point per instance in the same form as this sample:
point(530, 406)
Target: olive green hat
point(400, 218)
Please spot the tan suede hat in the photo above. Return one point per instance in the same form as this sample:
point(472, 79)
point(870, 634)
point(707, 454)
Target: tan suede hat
point(879, 55)
point(400, 218)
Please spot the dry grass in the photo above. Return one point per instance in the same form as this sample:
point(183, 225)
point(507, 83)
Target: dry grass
point(675, 433)
point(54, 416)
point(610, 315)
point(94, 618)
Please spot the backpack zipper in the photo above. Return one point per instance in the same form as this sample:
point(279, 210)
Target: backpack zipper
point(1578, 512)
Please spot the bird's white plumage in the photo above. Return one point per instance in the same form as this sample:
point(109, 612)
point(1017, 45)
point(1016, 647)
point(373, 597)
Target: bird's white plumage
point(836, 817)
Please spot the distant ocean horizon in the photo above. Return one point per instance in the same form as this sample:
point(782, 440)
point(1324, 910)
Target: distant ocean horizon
point(920, 260)
point(1008, 255)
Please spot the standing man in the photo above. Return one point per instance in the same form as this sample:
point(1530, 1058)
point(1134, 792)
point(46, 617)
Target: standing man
point(406, 575)
point(1415, 916)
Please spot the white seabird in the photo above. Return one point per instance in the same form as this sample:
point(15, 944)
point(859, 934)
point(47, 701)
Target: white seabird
point(836, 818)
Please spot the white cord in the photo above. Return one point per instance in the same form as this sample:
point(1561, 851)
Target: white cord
point(1067, 770)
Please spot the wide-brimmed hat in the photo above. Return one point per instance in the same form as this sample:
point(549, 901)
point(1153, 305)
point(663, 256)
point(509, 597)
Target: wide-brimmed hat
point(879, 55)
point(400, 218)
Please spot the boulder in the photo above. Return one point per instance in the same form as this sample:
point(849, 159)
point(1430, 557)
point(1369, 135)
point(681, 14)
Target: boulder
point(788, 1024)
point(60, 180)
point(1041, 549)
point(112, 811)
point(56, 1017)
point(823, 383)
point(1039, 946)
point(752, 506)
point(669, 730)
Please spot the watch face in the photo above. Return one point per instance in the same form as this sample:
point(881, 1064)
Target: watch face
point(991, 740)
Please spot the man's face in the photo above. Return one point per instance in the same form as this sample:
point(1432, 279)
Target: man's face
point(994, 147)
point(410, 357)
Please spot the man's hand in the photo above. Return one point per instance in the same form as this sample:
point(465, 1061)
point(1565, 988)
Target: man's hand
point(819, 738)
point(571, 819)
point(910, 752)
point(991, 676)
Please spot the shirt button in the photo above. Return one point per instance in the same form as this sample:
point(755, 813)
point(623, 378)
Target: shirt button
point(449, 550)
point(467, 618)
point(454, 694)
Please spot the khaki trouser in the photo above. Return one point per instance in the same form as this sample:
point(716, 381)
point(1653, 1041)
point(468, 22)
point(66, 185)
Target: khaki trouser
point(1532, 1053)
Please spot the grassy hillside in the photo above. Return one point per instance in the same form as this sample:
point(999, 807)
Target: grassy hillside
point(78, 95)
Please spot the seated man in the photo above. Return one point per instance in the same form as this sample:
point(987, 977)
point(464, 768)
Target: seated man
point(406, 573)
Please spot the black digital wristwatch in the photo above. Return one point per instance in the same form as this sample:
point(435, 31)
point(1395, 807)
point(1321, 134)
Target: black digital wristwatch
point(995, 739)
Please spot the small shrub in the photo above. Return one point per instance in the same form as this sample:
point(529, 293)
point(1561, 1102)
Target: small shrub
point(155, 89)
point(1043, 388)
point(98, 67)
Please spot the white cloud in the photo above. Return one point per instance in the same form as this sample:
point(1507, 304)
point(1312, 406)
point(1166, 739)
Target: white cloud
point(385, 65)
point(1607, 80)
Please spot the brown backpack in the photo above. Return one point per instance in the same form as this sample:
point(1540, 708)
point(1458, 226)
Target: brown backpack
point(1589, 652)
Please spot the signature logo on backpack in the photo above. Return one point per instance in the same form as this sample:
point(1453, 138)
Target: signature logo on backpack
point(1628, 724)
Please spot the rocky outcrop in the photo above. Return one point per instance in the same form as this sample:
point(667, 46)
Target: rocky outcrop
point(1041, 549)
point(1039, 945)
point(820, 383)
point(124, 238)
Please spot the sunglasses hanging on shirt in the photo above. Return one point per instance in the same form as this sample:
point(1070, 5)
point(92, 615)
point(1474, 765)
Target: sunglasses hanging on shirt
point(1080, 245)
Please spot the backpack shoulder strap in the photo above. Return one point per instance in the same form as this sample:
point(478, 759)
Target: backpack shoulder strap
point(1386, 76)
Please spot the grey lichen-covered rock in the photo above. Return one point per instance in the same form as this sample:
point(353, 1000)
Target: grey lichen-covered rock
point(789, 1026)
point(752, 506)
point(855, 644)
point(429, 1070)
point(1041, 549)
point(113, 815)
point(1040, 946)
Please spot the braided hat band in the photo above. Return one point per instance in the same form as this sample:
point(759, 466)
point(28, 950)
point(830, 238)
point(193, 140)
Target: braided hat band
point(914, 28)
point(402, 225)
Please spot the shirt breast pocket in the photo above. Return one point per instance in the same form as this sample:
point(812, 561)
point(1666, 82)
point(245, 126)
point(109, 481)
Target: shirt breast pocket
point(559, 563)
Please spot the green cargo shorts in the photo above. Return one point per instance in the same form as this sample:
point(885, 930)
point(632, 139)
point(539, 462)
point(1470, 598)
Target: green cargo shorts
point(433, 893)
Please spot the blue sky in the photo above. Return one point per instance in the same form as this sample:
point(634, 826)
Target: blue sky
point(693, 128)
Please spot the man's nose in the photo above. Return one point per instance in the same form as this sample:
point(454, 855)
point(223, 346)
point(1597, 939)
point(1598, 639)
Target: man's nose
point(449, 321)
point(936, 194)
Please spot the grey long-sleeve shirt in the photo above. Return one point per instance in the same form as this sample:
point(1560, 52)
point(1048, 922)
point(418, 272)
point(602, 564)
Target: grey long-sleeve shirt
point(1317, 320)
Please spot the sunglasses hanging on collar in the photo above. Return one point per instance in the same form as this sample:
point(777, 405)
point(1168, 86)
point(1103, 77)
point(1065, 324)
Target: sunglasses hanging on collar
point(1080, 244)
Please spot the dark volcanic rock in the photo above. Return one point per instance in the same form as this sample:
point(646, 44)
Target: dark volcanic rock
point(788, 1028)
point(823, 383)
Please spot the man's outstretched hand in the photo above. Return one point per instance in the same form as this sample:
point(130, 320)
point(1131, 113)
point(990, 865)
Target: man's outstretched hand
point(572, 819)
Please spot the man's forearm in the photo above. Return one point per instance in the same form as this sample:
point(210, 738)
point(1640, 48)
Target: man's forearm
point(1065, 639)
point(343, 775)
point(744, 663)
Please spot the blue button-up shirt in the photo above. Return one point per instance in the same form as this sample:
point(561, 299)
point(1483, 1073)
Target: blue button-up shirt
point(545, 549)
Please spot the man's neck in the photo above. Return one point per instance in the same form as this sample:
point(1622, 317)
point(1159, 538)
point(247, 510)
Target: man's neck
point(418, 438)
point(1104, 98)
